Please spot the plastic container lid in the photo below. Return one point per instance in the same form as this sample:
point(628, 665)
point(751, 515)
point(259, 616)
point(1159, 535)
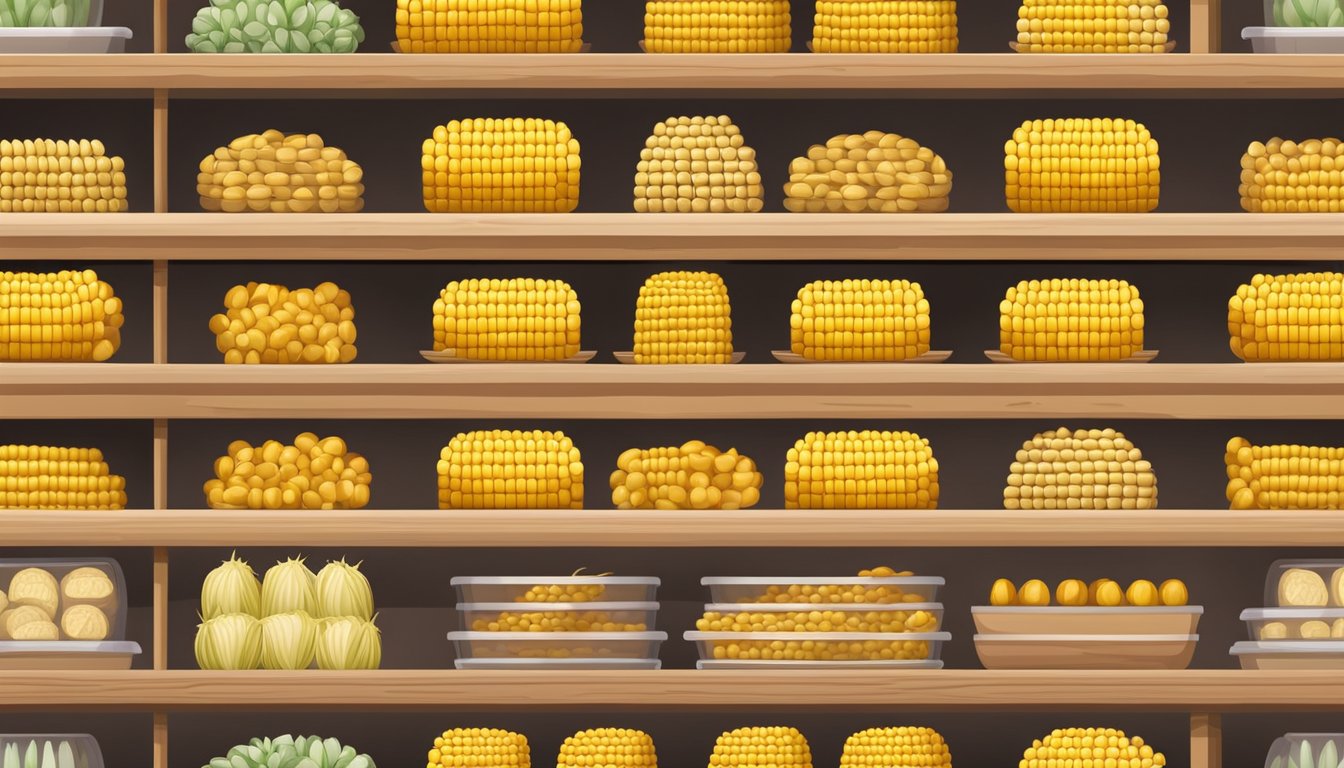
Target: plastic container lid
point(768, 663)
point(770, 581)
point(1198, 610)
point(123, 33)
point(1324, 568)
point(523, 637)
point(543, 580)
point(525, 663)
point(557, 607)
point(1309, 647)
point(1269, 614)
point(799, 607)
point(1086, 638)
point(746, 636)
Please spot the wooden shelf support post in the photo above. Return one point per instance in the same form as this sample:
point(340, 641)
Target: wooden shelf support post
point(1206, 26)
point(1206, 740)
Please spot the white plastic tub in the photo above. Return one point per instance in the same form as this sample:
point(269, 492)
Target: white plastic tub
point(618, 613)
point(558, 664)
point(750, 589)
point(50, 750)
point(1290, 654)
point(1295, 39)
point(737, 646)
point(64, 39)
point(511, 589)
point(553, 645)
point(1291, 623)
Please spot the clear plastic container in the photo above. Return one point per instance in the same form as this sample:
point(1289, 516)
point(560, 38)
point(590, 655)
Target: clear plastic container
point(511, 589)
point(1305, 584)
point(51, 750)
point(928, 646)
point(887, 612)
point(1297, 750)
point(1314, 624)
point(562, 645)
point(618, 613)
point(1290, 654)
point(750, 589)
point(758, 664)
point(91, 16)
point(558, 664)
point(64, 613)
point(1295, 39)
point(1085, 651)
point(1086, 620)
point(64, 39)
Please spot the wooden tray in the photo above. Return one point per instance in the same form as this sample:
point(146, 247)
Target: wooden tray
point(1144, 356)
point(1090, 620)
point(932, 356)
point(628, 358)
point(1170, 46)
point(1085, 651)
point(450, 357)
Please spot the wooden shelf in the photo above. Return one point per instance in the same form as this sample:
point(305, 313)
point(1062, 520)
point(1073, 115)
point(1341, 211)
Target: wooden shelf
point(711, 528)
point(696, 237)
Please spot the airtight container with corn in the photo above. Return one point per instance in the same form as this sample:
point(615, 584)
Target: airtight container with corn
point(489, 26)
point(1081, 165)
point(1288, 318)
point(266, 323)
point(1283, 476)
point(1080, 469)
point(49, 477)
point(557, 617)
point(515, 319)
point(872, 172)
point(683, 318)
point(279, 173)
point(310, 473)
point(577, 588)
point(697, 165)
point(50, 750)
point(458, 747)
point(1071, 320)
point(1068, 744)
point(1092, 26)
point(871, 469)
point(510, 469)
point(717, 26)
point(69, 315)
point(896, 747)
point(63, 614)
point(860, 321)
point(885, 26)
point(1302, 623)
point(1286, 176)
point(501, 165)
point(1317, 750)
point(74, 176)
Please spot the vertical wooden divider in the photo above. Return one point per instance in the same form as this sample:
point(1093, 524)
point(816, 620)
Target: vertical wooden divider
point(1206, 740)
point(160, 734)
point(1206, 26)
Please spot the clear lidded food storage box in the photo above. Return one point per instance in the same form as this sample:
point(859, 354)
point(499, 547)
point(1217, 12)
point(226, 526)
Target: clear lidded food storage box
point(515, 589)
point(819, 647)
point(1298, 750)
point(1305, 583)
point(829, 589)
point(1290, 654)
point(1294, 623)
point(50, 750)
point(892, 617)
point(557, 645)
point(573, 617)
point(63, 613)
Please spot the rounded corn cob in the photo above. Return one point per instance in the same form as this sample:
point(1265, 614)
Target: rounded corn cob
point(480, 748)
point(513, 319)
point(1092, 26)
point(873, 172)
point(276, 173)
point(1071, 320)
point(861, 470)
point(1281, 176)
point(608, 748)
point(683, 318)
point(1080, 469)
point(311, 473)
point(266, 323)
point(775, 746)
point(47, 477)
point(58, 316)
point(1288, 318)
point(501, 165)
point(697, 165)
point(860, 320)
point(885, 26)
point(1283, 476)
point(690, 476)
point(1090, 748)
point(901, 747)
point(717, 26)
point(510, 469)
point(74, 176)
point(489, 26)
point(1081, 165)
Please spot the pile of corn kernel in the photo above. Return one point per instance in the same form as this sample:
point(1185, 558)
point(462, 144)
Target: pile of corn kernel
point(689, 476)
point(273, 172)
point(697, 165)
point(266, 323)
point(869, 172)
point(1080, 469)
point(311, 473)
point(844, 593)
point(819, 619)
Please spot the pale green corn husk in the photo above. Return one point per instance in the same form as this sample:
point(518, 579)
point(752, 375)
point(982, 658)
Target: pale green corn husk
point(288, 587)
point(342, 590)
point(44, 13)
point(275, 26)
point(288, 641)
point(231, 588)
point(349, 643)
point(231, 641)
point(290, 752)
point(1308, 13)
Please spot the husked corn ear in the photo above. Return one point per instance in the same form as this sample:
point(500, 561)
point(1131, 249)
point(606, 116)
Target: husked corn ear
point(860, 320)
point(74, 176)
point(514, 319)
point(1090, 748)
point(48, 477)
point(278, 173)
point(267, 323)
point(1092, 26)
point(697, 165)
point(58, 316)
point(818, 620)
point(1288, 317)
point(312, 473)
point(872, 469)
point(780, 747)
point(901, 747)
point(690, 476)
point(480, 747)
point(885, 26)
point(1080, 469)
point(608, 748)
point(717, 26)
point(555, 621)
point(1071, 319)
point(501, 165)
point(490, 26)
point(872, 172)
point(683, 318)
point(510, 469)
point(844, 593)
point(1283, 476)
point(1281, 176)
point(1081, 165)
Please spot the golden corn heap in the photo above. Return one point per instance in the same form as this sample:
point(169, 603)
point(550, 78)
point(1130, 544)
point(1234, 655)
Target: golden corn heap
point(1092, 26)
point(608, 748)
point(872, 469)
point(871, 172)
point(683, 318)
point(513, 319)
point(266, 323)
point(1293, 177)
point(860, 320)
point(501, 165)
point(774, 746)
point(818, 620)
point(697, 165)
point(510, 469)
point(555, 621)
point(844, 593)
point(312, 473)
point(1081, 469)
point(1090, 748)
point(490, 26)
point(821, 650)
point(58, 316)
point(271, 171)
point(1081, 165)
point(900, 747)
point(47, 477)
point(717, 26)
point(75, 176)
point(564, 593)
point(1071, 319)
point(480, 748)
point(690, 476)
point(1288, 317)
point(885, 26)
point(1283, 476)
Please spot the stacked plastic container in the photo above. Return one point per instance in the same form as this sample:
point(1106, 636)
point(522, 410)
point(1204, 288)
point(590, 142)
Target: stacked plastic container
point(1302, 623)
point(58, 26)
point(1299, 26)
point(1306, 750)
point(498, 616)
point(50, 750)
point(63, 614)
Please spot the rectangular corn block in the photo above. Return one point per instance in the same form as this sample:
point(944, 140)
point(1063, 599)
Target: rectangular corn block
point(1073, 320)
point(47, 477)
point(697, 165)
point(1092, 26)
point(459, 747)
point(885, 26)
point(860, 320)
point(510, 469)
point(489, 26)
point(513, 319)
point(74, 176)
point(899, 747)
point(1286, 318)
point(1080, 469)
point(1081, 165)
point(1286, 176)
point(1283, 476)
point(683, 318)
point(871, 469)
point(58, 317)
point(717, 26)
point(501, 165)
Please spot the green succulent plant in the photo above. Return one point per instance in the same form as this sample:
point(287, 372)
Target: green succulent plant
point(275, 26)
point(44, 13)
point(291, 752)
point(1308, 13)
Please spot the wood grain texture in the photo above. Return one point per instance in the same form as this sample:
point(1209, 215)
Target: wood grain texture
point(1206, 740)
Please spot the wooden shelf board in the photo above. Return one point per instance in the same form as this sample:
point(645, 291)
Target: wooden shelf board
point(651, 237)
point(710, 528)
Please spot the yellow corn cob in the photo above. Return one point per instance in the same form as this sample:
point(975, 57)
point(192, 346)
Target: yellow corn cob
point(818, 620)
point(311, 473)
point(860, 320)
point(501, 165)
point(697, 165)
point(1283, 476)
point(873, 172)
point(1288, 317)
point(683, 318)
point(266, 323)
point(75, 176)
point(1092, 26)
point(902, 747)
point(58, 316)
point(1081, 165)
point(1293, 177)
point(717, 26)
point(1071, 319)
point(513, 319)
point(861, 470)
point(272, 172)
point(489, 26)
point(510, 469)
point(690, 476)
point(1082, 469)
point(46, 477)
point(1090, 748)
point(608, 748)
point(885, 26)
point(480, 748)
point(775, 746)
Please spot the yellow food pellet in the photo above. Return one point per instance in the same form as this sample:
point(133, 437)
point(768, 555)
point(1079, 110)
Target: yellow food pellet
point(1071, 320)
point(692, 475)
point(66, 316)
point(522, 319)
point(63, 176)
point(1283, 476)
point(1092, 26)
point(1003, 592)
point(555, 621)
point(1173, 592)
point(1142, 592)
point(51, 477)
point(1090, 748)
point(501, 165)
point(873, 172)
point(717, 26)
point(1034, 592)
point(1080, 469)
point(697, 165)
point(489, 26)
point(772, 747)
point(1071, 592)
point(683, 318)
point(266, 323)
point(885, 26)
point(1285, 176)
point(872, 469)
point(1288, 318)
point(860, 321)
point(608, 748)
point(1108, 593)
point(866, 594)
point(272, 172)
point(1081, 165)
point(510, 469)
point(901, 747)
point(480, 748)
point(310, 473)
